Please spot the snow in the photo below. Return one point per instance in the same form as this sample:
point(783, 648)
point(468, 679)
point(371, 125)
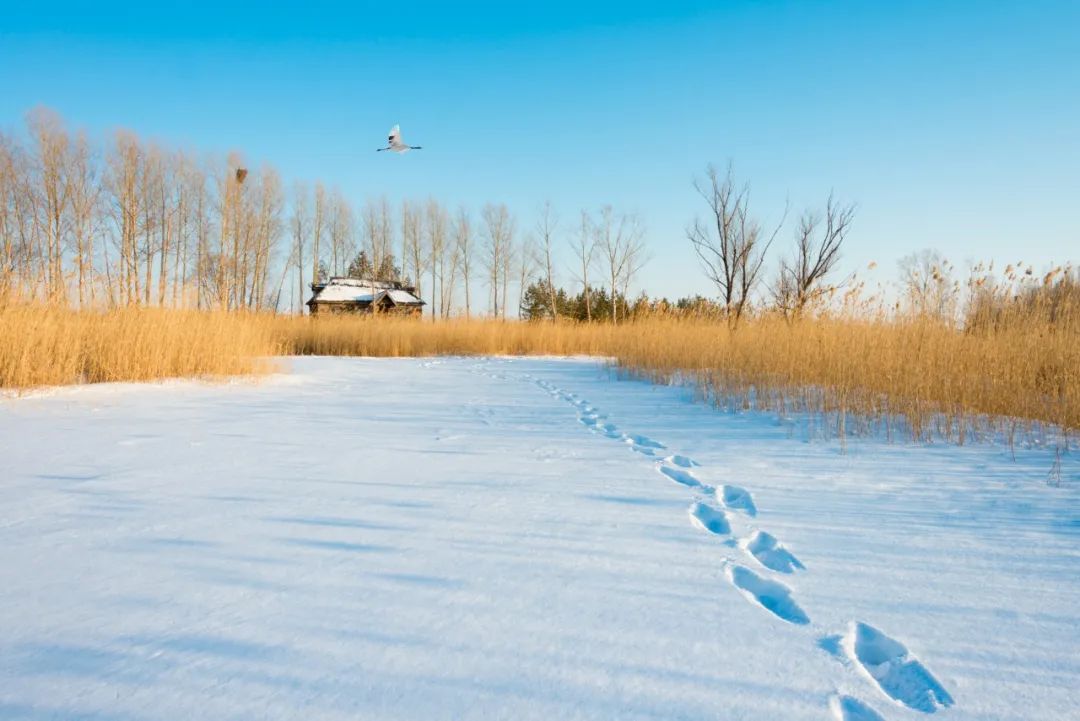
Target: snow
point(340, 290)
point(403, 297)
point(515, 539)
point(343, 293)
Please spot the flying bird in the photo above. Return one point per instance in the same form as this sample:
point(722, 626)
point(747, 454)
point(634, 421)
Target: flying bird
point(395, 144)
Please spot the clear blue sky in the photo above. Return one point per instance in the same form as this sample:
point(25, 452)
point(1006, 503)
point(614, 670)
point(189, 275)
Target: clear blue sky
point(953, 125)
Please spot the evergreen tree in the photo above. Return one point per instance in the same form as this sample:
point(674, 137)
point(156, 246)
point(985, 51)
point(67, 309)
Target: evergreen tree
point(360, 267)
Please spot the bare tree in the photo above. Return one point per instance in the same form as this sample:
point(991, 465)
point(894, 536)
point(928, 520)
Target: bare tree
point(498, 237)
point(266, 233)
point(621, 242)
point(378, 233)
point(166, 216)
point(584, 246)
point(200, 205)
point(317, 227)
point(435, 234)
point(801, 280)
point(17, 226)
point(443, 259)
point(53, 194)
point(545, 229)
point(85, 192)
point(187, 180)
point(412, 239)
point(301, 227)
point(730, 246)
point(126, 168)
point(528, 257)
point(463, 245)
point(342, 228)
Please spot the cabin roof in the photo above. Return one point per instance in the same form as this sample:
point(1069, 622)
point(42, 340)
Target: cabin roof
point(356, 290)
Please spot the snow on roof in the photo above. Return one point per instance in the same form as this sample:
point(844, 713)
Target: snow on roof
point(356, 290)
point(403, 297)
point(364, 282)
point(334, 293)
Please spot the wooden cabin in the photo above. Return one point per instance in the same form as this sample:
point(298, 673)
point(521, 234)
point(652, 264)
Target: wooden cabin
point(364, 296)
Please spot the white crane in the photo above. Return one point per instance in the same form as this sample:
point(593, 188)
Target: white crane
point(396, 144)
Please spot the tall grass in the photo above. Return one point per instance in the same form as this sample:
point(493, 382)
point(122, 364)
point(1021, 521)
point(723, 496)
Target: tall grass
point(918, 377)
point(42, 345)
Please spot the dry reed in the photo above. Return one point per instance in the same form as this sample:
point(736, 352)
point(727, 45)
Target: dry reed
point(920, 377)
point(41, 346)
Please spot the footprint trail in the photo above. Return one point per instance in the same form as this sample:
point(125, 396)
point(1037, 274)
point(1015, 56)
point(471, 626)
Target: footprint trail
point(886, 661)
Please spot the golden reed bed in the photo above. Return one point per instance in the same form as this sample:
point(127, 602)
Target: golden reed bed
point(924, 374)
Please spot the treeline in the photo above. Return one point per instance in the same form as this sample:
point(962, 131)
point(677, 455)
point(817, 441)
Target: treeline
point(543, 302)
point(129, 222)
point(133, 223)
point(732, 246)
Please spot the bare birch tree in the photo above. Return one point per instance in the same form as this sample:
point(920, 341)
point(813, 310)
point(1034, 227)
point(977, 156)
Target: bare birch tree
point(463, 245)
point(498, 236)
point(53, 194)
point(300, 223)
point(621, 242)
point(85, 192)
point(545, 229)
point(435, 231)
point(378, 234)
point(528, 260)
point(412, 240)
point(318, 226)
point(584, 247)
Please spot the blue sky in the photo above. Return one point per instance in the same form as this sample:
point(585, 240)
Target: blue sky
point(952, 125)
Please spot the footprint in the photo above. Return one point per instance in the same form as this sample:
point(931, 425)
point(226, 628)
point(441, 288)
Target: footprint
point(709, 519)
point(770, 595)
point(644, 441)
point(770, 553)
point(642, 450)
point(680, 476)
point(847, 708)
point(737, 498)
point(684, 461)
point(892, 667)
point(591, 421)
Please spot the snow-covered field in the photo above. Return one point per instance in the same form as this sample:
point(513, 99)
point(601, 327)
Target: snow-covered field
point(515, 539)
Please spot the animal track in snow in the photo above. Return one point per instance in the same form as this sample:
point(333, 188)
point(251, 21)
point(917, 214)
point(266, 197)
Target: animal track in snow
point(847, 708)
point(737, 498)
point(770, 553)
point(891, 666)
point(710, 519)
point(773, 596)
point(683, 461)
point(680, 476)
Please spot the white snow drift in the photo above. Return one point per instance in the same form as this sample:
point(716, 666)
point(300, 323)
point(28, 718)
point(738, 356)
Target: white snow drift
point(510, 539)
